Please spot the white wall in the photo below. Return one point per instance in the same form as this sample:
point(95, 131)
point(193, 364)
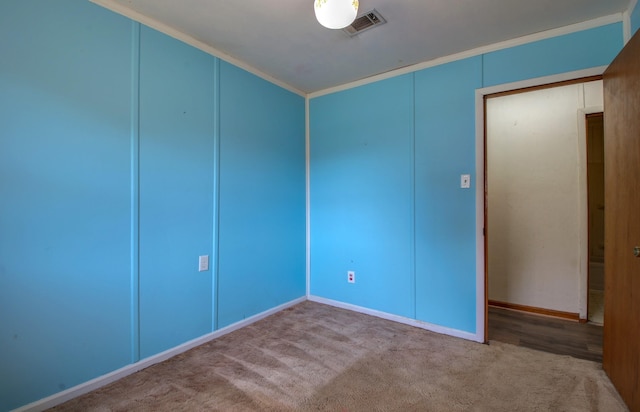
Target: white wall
point(536, 194)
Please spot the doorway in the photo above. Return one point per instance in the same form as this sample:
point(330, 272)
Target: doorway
point(596, 205)
point(537, 226)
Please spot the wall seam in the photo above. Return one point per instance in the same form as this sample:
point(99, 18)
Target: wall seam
point(135, 191)
point(307, 143)
point(216, 197)
point(482, 81)
point(413, 197)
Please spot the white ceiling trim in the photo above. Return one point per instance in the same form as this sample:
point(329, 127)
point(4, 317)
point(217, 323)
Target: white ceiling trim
point(176, 34)
point(626, 21)
point(626, 26)
point(590, 24)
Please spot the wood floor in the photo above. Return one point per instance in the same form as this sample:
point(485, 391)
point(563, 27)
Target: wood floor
point(564, 337)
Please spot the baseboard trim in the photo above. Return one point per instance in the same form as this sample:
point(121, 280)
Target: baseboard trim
point(86, 387)
point(400, 319)
point(538, 311)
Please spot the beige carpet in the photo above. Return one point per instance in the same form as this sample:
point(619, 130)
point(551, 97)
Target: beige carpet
point(314, 357)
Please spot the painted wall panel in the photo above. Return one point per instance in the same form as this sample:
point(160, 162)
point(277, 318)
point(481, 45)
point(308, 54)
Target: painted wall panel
point(176, 191)
point(262, 195)
point(445, 213)
point(575, 51)
point(361, 195)
point(64, 196)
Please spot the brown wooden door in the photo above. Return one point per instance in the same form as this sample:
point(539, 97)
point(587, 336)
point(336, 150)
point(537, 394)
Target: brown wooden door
point(621, 350)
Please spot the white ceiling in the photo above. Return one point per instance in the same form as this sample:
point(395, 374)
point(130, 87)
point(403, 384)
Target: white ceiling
point(282, 39)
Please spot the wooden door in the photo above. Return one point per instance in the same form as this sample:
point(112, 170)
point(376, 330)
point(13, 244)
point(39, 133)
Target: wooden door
point(621, 357)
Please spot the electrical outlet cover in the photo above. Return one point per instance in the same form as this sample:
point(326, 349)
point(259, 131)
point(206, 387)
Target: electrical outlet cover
point(203, 263)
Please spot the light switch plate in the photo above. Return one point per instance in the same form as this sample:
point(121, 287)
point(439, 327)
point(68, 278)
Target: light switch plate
point(203, 263)
point(465, 181)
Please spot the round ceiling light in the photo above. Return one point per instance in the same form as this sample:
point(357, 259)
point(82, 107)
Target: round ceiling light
point(336, 14)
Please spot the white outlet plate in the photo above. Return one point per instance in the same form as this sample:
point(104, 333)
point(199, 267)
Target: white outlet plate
point(351, 276)
point(465, 181)
point(203, 263)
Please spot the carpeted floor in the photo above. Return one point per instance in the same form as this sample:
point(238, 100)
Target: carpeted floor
point(314, 357)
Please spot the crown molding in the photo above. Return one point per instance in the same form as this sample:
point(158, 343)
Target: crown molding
point(198, 44)
point(590, 24)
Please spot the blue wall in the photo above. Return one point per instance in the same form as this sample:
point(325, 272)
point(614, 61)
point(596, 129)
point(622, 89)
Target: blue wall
point(262, 196)
point(120, 150)
point(575, 51)
point(386, 160)
point(64, 197)
point(362, 195)
point(176, 170)
point(445, 213)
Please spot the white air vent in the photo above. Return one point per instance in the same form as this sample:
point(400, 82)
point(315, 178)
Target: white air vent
point(364, 22)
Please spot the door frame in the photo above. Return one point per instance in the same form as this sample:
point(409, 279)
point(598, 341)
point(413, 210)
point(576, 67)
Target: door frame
point(482, 295)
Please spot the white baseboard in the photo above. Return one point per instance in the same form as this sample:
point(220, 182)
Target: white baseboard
point(78, 390)
point(400, 319)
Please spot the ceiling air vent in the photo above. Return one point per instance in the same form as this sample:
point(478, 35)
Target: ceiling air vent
point(364, 22)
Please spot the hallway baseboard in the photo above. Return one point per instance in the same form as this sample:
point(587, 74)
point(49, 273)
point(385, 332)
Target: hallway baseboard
point(538, 311)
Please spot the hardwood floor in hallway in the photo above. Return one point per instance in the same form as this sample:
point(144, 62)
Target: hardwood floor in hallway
point(560, 336)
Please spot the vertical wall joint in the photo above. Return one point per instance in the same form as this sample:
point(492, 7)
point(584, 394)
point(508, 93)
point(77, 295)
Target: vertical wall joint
point(215, 268)
point(135, 191)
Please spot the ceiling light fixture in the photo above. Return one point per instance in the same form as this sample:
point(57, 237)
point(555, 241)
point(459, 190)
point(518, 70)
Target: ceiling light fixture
point(335, 14)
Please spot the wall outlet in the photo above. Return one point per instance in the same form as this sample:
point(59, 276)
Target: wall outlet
point(203, 263)
point(351, 276)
